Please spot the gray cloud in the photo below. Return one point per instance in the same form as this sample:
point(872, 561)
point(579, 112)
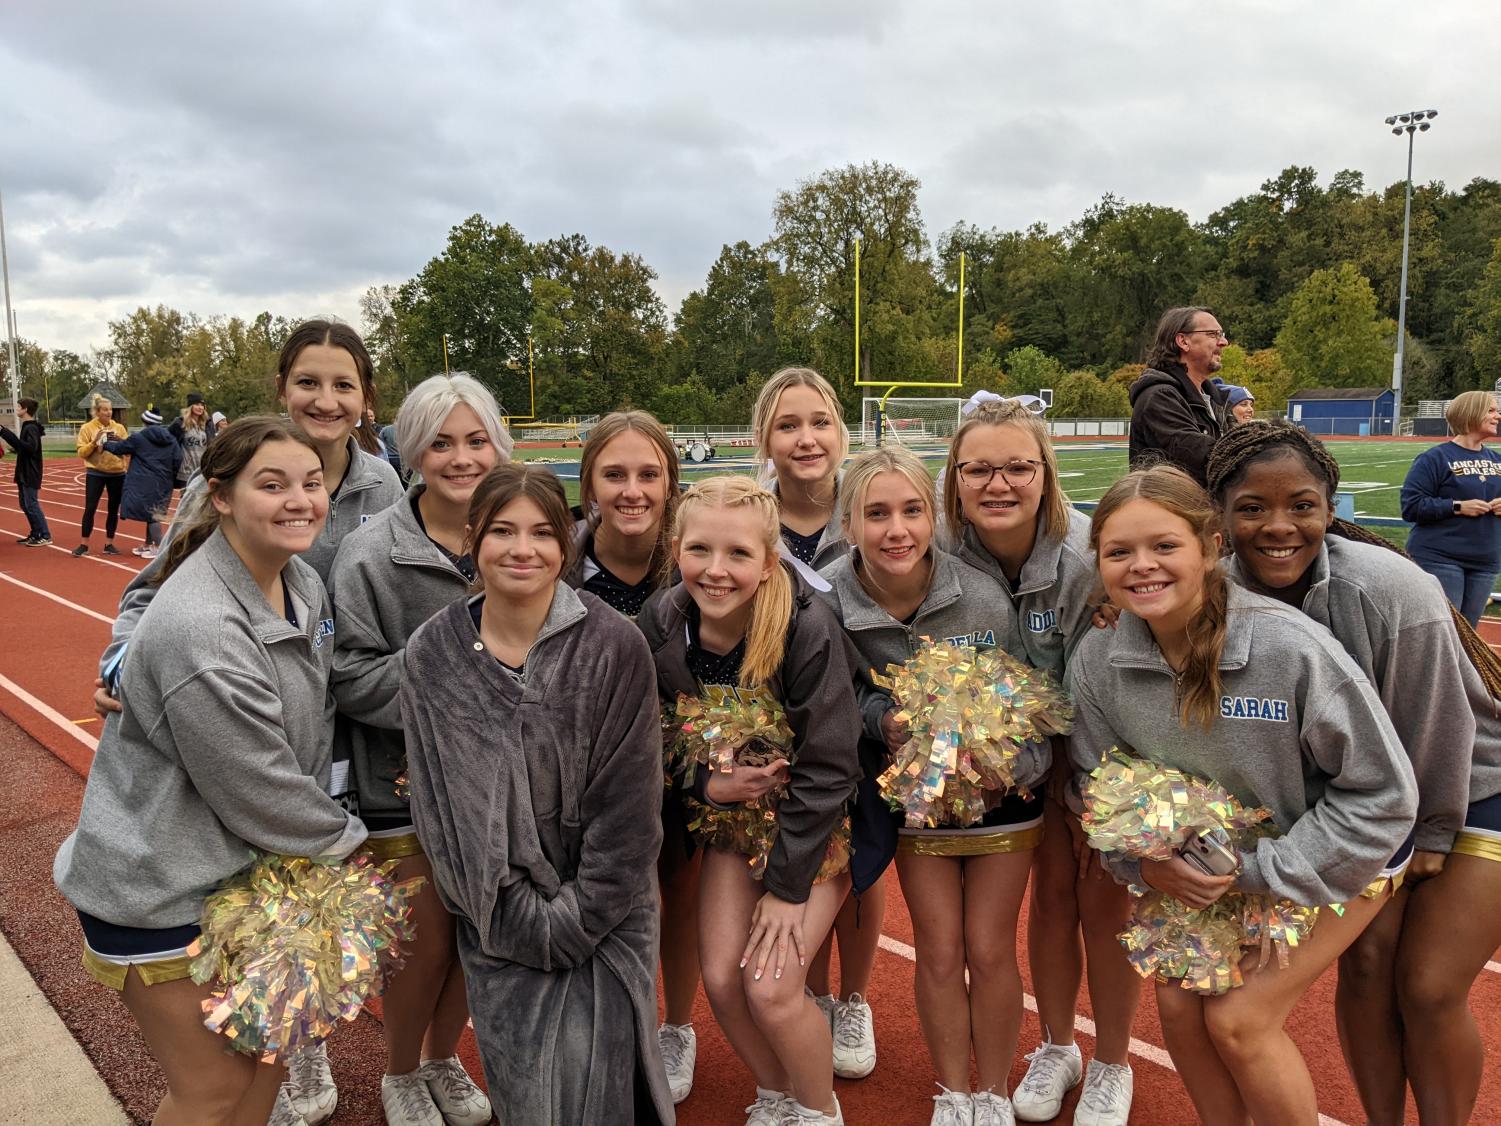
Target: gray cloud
point(226, 159)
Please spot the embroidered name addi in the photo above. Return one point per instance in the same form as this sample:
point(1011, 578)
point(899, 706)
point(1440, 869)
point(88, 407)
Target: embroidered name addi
point(1043, 621)
point(1253, 707)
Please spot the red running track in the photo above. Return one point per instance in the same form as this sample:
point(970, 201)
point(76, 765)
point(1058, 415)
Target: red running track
point(58, 613)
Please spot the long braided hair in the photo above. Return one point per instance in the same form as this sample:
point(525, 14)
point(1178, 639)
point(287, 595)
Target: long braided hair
point(1252, 442)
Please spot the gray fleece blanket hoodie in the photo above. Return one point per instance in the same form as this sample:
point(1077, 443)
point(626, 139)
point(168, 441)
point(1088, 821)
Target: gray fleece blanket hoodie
point(537, 800)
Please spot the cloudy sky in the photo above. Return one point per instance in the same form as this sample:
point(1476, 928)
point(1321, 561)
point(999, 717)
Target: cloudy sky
point(229, 158)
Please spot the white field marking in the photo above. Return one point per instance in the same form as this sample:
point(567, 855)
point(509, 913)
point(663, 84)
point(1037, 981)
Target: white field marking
point(57, 598)
point(1494, 967)
point(48, 712)
point(1360, 486)
point(95, 556)
point(1149, 1052)
point(121, 532)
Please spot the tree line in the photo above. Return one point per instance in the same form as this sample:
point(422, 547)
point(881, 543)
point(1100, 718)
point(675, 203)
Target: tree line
point(1304, 275)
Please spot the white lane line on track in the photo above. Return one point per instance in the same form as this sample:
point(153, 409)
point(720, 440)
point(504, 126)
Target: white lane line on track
point(46, 711)
point(1150, 1052)
point(93, 555)
point(59, 599)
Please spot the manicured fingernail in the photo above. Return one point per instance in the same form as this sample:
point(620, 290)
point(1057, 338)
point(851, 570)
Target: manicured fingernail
point(779, 975)
point(758, 975)
point(742, 963)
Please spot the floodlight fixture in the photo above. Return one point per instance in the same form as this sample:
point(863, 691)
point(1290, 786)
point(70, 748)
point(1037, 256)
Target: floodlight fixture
point(1412, 123)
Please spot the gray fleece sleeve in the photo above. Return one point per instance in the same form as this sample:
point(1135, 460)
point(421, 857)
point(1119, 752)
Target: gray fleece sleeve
point(1435, 724)
point(141, 589)
point(226, 727)
point(621, 827)
point(1339, 845)
point(366, 679)
point(1088, 743)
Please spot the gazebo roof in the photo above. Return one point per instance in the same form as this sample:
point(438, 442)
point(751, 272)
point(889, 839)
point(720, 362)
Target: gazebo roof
point(115, 396)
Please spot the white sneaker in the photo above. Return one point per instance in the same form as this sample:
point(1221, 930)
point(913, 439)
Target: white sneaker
point(854, 1038)
point(679, 1045)
point(826, 1003)
point(1052, 1071)
point(952, 1108)
point(1106, 1098)
point(310, 1086)
point(769, 1109)
point(283, 1113)
point(992, 1109)
point(407, 1101)
point(796, 1114)
point(458, 1097)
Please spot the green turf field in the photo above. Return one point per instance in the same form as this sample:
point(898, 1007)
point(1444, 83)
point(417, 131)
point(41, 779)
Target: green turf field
point(1372, 471)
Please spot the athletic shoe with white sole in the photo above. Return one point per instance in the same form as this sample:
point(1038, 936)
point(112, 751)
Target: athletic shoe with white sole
point(854, 1038)
point(310, 1086)
point(39, 541)
point(283, 1113)
point(952, 1108)
point(769, 1109)
point(407, 1101)
point(459, 1098)
point(1106, 1098)
point(1052, 1071)
point(796, 1114)
point(992, 1109)
point(826, 1003)
point(679, 1044)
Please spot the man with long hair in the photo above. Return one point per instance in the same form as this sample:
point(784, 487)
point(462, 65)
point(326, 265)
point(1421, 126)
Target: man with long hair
point(1176, 412)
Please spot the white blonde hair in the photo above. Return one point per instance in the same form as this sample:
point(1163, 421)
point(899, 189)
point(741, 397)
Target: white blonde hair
point(428, 406)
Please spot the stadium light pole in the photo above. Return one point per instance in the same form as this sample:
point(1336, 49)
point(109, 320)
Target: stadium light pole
point(1412, 123)
point(10, 325)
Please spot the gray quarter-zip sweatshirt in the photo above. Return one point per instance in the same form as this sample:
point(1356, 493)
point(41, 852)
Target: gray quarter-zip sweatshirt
point(391, 579)
point(369, 486)
point(1393, 619)
point(1051, 595)
point(963, 606)
point(1300, 731)
point(225, 748)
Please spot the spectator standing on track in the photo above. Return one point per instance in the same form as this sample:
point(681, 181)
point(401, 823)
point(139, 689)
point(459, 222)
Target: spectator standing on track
point(220, 422)
point(1176, 411)
point(1453, 495)
point(154, 460)
point(28, 447)
point(104, 474)
point(229, 732)
point(192, 430)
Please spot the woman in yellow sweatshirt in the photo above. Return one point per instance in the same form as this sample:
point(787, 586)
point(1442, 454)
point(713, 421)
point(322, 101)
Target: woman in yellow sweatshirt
point(105, 473)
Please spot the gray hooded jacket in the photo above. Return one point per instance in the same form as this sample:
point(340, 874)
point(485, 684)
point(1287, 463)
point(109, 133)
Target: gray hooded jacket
point(1051, 596)
point(1300, 731)
point(225, 748)
point(391, 579)
point(537, 801)
point(1393, 619)
point(369, 486)
point(963, 606)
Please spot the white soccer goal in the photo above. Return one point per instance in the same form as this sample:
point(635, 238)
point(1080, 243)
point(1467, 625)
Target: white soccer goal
point(917, 423)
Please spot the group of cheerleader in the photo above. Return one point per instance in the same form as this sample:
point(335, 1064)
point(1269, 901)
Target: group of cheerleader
point(480, 687)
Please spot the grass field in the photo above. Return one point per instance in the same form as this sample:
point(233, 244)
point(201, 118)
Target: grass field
point(1372, 471)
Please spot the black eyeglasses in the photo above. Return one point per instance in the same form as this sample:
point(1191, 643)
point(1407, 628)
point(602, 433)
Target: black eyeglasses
point(1018, 472)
